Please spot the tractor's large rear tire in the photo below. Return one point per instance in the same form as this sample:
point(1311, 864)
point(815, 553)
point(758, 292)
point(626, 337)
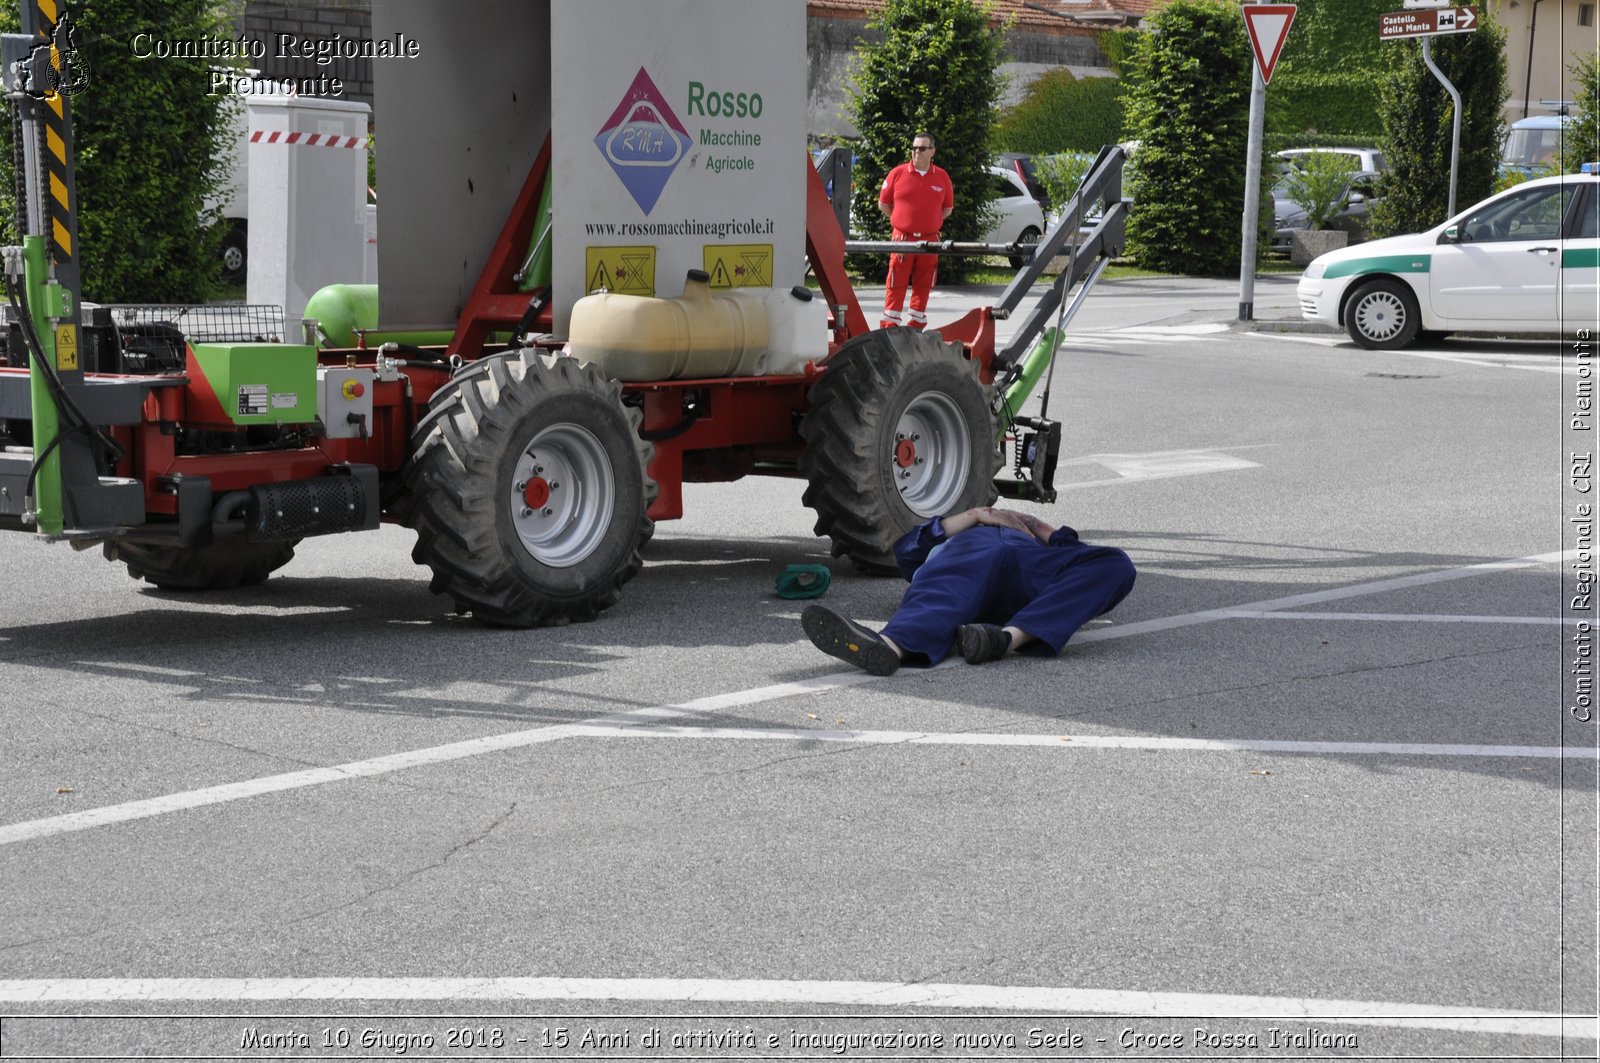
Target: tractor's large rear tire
point(900, 430)
point(220, 565)
point(528, 491)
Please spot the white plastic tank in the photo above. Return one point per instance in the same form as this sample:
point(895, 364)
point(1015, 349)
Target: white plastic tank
point(797, 322)
point(698, 334)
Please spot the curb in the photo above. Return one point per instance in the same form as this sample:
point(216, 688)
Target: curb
point(1284, 325)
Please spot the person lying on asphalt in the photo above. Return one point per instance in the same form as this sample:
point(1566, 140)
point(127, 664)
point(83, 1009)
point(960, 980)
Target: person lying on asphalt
point(987, 582)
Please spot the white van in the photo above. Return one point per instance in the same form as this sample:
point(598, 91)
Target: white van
point(1534, 142)
point(234, 195)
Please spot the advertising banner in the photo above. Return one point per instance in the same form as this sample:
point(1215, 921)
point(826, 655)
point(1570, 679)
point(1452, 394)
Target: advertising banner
point(677, 143)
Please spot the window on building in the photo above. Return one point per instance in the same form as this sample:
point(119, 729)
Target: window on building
point(1586, 14)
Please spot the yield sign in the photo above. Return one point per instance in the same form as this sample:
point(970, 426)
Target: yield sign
point(1268, 26)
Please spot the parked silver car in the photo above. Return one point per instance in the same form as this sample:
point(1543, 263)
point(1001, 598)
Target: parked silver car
point(1290, 216)
point(1362, 158)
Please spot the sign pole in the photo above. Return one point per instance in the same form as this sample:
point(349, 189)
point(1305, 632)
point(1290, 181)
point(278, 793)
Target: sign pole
point(1455, 125)
point(1425, 19)
point(1267, 26)
point(1252, 195)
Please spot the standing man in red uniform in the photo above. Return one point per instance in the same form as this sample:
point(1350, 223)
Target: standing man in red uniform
point(916, 198)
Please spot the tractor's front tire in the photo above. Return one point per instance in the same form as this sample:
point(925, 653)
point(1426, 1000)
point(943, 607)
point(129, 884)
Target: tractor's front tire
point(528, 491)
point(219, 565)
point(900, 430)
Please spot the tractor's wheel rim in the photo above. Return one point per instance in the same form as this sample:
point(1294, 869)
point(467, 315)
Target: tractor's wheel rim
point(1380, 315)
point(566, 471)
point(930, 458)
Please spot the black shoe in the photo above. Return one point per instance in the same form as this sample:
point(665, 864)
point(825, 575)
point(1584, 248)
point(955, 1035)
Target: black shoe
point(982, 642)
point(848, 640)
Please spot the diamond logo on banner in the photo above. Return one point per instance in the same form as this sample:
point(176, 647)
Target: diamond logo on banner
point(1268, 27)
point(643, 141)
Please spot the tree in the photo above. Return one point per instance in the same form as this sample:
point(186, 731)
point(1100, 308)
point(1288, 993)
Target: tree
point(1189, 109)
point(1417, 114)
point(1583, 136)
point(936, 70)
point(151, 146)
point(1320, 183)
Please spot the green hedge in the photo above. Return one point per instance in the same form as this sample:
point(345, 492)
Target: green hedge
point(1583, 138)
point(151, 146)
point(1417, 116)
point(1189, 109)
point(1326, 80)
point(1341, 104)
point(1060, 112)
point(936, 70)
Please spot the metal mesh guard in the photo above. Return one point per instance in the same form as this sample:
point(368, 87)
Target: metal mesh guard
point(209, 323)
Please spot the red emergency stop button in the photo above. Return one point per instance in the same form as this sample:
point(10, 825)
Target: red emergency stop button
point(353, 389)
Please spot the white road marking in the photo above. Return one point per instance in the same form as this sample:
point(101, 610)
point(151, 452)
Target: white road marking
point(1331, 594)
point(159, 806)
point(1538, 363)
point(1070, 743)
point(1135, 335)
point(1206, 328)
point(1462, 359)
point(1402, 618)
point(1300, 337)
point(476, 747)
point(1129, 337)
point(1156, 465)
point(1036, 1000)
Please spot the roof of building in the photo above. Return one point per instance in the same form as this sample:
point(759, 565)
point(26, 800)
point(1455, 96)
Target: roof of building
point(1065, 17)
point(1127, 11)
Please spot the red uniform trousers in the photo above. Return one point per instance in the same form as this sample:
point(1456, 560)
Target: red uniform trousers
point(918, 271)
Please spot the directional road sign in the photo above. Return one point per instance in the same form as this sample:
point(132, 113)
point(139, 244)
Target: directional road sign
point(1427, 22)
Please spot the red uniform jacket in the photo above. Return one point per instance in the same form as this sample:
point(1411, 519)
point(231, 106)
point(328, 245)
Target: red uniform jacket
point(916, 201)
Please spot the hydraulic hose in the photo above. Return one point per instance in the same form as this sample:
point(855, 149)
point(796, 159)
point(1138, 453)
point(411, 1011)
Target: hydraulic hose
point(70, 412)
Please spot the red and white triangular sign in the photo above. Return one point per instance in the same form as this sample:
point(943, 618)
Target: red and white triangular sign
point(1268, 26)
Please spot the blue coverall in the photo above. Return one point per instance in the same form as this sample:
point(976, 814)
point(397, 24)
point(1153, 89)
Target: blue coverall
point(1001, 576)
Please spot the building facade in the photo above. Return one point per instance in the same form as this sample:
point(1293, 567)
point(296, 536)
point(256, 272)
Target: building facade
point(1542, 37)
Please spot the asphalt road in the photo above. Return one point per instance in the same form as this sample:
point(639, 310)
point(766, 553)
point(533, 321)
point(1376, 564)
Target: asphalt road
point(1315, 776)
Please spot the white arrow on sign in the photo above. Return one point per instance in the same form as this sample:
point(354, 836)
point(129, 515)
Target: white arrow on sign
point(1465, 17)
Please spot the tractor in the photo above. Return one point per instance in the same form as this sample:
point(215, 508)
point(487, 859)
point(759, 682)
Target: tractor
point(535, 437)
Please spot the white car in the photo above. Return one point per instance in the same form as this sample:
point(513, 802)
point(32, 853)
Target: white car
point(1524, 261)
point(1360, 158)
point(1018, 216)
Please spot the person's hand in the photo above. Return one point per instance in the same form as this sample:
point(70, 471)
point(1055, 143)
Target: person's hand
point(1001, 518)
point(1039, 528)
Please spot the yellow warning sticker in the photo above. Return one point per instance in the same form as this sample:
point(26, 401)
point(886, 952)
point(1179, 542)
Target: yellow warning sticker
point(739, 265)
point(625, 270)
point(66, 346)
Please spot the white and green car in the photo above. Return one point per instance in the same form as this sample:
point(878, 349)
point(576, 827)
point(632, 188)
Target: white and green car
point(1524, 261)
